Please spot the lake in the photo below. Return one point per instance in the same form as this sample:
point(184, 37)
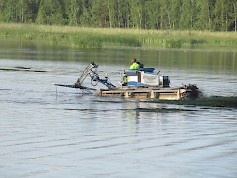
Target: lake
point(48, 131)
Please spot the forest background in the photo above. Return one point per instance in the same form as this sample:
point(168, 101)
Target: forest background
point(172, 15)
point(215, 15)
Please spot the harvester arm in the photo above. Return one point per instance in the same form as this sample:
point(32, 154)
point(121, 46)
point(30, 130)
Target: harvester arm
point(95, 78)
point(84, 74)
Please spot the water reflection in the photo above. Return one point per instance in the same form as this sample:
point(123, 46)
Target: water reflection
point(212, 61)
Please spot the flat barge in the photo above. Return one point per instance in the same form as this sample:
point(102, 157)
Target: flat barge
point(143, 83)
point(145, 93)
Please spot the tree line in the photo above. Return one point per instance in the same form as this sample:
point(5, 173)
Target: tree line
point(213, 15)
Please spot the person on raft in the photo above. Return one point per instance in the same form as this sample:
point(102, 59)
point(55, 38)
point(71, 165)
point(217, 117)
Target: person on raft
point(135, 64)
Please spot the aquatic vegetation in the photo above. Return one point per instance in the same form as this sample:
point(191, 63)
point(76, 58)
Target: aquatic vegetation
point(162, 110)
point(85, 37)
point(213, 101)
point(19, 68)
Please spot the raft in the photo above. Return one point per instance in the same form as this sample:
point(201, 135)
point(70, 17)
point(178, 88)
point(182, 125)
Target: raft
point(146, 93)
point(142, 83)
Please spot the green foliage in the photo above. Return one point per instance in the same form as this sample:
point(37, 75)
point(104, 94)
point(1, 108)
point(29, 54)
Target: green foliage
point(121, 40)
point(74, 10)
point(84, 40)
point(81, 37)
point(51, 12)
point(216, 15)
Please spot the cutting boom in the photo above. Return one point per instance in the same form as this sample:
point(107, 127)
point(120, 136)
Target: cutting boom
point(85, 73)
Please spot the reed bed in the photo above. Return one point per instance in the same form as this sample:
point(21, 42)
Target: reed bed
point(86, 37)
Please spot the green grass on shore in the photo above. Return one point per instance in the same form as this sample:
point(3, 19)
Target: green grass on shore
point(82, 37)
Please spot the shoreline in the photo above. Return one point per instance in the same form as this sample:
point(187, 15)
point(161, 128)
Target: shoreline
point(83, 37)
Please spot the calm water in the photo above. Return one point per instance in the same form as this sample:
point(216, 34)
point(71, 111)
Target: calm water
point(60, 132)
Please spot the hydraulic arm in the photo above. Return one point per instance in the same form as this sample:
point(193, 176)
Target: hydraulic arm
point(95, 78)
point(85, 73)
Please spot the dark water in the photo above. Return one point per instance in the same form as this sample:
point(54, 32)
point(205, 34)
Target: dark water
point(60, 132)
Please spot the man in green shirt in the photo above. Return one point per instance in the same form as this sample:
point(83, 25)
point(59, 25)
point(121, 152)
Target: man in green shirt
point(134, 65)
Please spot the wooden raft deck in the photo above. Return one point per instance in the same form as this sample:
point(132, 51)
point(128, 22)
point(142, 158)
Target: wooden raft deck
point(143, 93)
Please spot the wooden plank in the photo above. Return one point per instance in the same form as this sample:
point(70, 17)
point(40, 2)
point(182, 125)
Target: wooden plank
point(174, 94)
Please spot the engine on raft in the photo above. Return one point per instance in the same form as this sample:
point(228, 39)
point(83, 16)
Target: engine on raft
point(141, 83)
point(145, 77)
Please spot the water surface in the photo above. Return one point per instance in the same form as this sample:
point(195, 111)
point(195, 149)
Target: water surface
point(49, 131)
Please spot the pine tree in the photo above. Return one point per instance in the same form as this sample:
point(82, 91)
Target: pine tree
point(203, 15)
point(234, 3)
point(100, 13)
point(28, 10)
point(11, 11)
point(122, 14)
point(137, 13)
point(153, 7)
point(51, 12)
point(3, 5)
point(188, 17)
point(175, 10)
point(74, 11)
point(164, 19)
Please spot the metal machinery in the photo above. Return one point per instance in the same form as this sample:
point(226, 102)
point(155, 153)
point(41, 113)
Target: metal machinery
point(141, 83)
point(146, 77)
point(90, 70)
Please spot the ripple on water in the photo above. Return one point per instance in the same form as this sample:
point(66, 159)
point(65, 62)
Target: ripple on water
point(52, 132)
